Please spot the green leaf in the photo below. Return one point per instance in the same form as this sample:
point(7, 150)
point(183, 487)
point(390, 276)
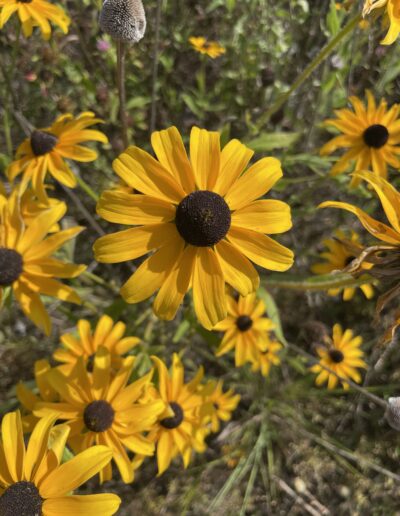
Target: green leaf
point(332, 19)
point(273, 313)
point(270, 141)
point(181, 331)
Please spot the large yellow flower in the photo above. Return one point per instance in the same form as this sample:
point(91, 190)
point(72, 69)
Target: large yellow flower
point(179, 429)
point(339, 255)
point(26, 262)
point(46, 150)
point(101, 408)
point(106, 334)
point(246, 329)
point(203, 217)
point(371, 134)
point(391, 9)
point(210, 48)
point(343, 356)
point(34, 482)
point(34, 13)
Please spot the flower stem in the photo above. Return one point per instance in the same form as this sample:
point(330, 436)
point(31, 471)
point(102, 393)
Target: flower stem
point(316, 283)
point(320, 58)
point(86, 188)
point(155, 67)
point(121, 53)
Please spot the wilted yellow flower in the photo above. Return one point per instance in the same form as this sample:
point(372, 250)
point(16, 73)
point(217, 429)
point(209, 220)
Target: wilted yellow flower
point(343, 355)
point(210, 48)
point(34, 13)
point(34, 482)
point(371, 134)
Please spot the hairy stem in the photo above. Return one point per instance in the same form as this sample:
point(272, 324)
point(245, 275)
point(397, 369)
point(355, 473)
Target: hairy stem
point(155, 68)
point(121, 53)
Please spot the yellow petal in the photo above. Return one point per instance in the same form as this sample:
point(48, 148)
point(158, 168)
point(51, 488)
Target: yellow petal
point(234, 159)
point(266, 216)
point(103, 504)
point(205, 157)
point(13, 443)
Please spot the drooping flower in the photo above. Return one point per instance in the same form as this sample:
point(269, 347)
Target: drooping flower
point(246, 329)
point(34, 482)
point(180, 429)
point(203, 217)
point(34, 13)
point(106, 334)
point(47, 149)
point(26, 262)
point(390, 9)
point(371, 134)
point(343, 356)
point(210, 48)
point(218, 404)
point(341, 252)
point(103, 409)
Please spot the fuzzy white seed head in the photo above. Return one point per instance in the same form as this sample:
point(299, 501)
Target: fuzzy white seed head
point(393, 413)
point(123, 20)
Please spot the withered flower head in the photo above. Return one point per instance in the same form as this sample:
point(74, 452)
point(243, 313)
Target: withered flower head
point(123, 20)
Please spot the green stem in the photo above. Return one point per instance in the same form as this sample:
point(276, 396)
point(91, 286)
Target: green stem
point(320, 58)
point(86, 188)
point(121, 53)
point(316, 283)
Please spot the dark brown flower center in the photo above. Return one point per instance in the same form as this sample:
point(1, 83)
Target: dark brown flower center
point(21, 499)
point(42, 142)
point(203, 218)
point(376, 136)
point(244, 322)
point(98, 416)
point(336, 356)
point(11, 266)
point(176, 419)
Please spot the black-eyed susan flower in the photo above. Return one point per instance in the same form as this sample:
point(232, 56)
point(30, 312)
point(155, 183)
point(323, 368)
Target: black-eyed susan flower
point(46, 151)
point(246, 329)
point(42, 391)
point(383, 256)
point(269, 357)
point(391, 11)
point(27, 265)
point(341, 251)
point(180, 429)
point(203, 218)
point(87, 342)
point(370, 133)
point(34, 482)
point(210, 48)
point(342, 355)
point(34, 13)
point(218, 405)
point(102, 408)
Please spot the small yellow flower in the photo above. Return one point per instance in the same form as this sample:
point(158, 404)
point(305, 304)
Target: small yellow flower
point(269, 357)
point(338, 256)
point(32, 479)
point(210, 48)
point(391, 10)
point(46, 150)
point(86, 345)
point(34, 13)
point(103, 409)
point(371, 134)
point(204, 217)
point(218, 405)
point(343, 355)
point(179, 429)
point(26, 262)
point(246, 329)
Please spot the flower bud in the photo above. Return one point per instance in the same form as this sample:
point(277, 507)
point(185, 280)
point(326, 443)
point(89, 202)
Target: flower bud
point(392, 413)
point(123, 20)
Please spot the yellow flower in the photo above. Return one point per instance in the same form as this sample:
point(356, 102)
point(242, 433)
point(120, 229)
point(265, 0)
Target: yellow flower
point(219, 405)
point(211, 48)
point(106, 334)
point(178, 430)
point(266, 359)
point(338, 256)
point(26, 263)
point(202, 217)
point(29, 399)
point(32, 479)
point(46, 150)
point(391, 9)
point(103, 409)
point(246, 329)
point(371, 134)
point(34, 13)
point(343, 356)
